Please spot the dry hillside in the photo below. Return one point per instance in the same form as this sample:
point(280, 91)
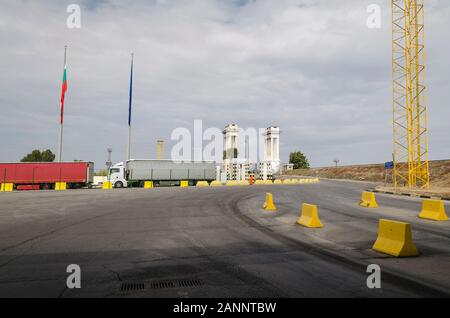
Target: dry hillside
point(439, 173)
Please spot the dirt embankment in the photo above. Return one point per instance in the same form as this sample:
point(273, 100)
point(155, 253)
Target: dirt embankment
point(439, 175)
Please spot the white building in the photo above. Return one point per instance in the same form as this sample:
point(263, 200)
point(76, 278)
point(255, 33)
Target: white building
point(230, 152)
point(288, 167)
point(230, 142)
point(237, 168)
point(271, 161)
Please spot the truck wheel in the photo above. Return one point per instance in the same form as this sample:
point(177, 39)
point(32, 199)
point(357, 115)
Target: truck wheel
point(118, 184)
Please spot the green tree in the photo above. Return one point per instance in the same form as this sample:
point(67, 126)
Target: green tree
point(47, 156)
point(102, 173)
point(299, 160)
point(38, 156)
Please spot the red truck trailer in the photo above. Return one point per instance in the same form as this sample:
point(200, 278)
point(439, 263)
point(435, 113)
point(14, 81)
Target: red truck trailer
point(44, 175)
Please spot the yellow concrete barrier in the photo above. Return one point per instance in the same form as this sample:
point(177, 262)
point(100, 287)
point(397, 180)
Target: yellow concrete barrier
point(278, 182)
point(202, 184)
point(433, 210)
point(295, 181)
point(268, 182)
point(232, 183)
point(216, 184)
point(259, 182)
point(184, 184)
point(310, 216)
point(243, 183)
point(287, 181)
point(269, 205)
point(107, 185)
point(6, 187)
point(148, 185)
point(395, 239)
point(60, 186)
point(368, 200)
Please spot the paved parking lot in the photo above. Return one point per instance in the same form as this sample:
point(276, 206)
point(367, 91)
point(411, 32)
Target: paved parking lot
point(212, 242)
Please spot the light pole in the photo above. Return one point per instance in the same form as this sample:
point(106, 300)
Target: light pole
point(336, 162)
point(108, 163)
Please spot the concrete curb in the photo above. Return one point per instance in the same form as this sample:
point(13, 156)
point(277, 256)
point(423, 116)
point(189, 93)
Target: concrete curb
point(414, 195)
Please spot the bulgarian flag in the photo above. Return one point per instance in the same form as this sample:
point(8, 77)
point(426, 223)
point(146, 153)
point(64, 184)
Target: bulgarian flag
point(63, 94)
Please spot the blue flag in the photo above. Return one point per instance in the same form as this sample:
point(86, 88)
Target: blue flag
point(131, 93)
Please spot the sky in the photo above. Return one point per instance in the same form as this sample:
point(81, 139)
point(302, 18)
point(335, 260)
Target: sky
point(311, 67)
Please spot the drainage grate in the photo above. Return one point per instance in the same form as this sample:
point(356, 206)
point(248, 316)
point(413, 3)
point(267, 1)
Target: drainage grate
point(162, 285)
point(190, 283)
point(183, 283)
point(129, 287)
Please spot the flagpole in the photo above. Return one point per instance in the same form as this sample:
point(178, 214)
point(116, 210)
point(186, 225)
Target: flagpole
point(129, 109)
point(129, 143)
point(61, 123)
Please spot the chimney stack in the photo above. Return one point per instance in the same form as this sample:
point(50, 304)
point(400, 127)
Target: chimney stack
point(160, 150)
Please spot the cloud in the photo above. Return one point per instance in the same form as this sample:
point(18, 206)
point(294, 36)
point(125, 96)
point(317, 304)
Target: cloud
point(311, 67)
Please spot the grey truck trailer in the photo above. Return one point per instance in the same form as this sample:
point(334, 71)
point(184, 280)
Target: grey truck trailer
point(134, 173)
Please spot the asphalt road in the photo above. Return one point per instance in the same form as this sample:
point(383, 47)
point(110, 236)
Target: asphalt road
point(213, 242)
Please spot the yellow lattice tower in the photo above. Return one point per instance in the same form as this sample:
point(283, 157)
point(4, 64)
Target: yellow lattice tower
point(410, 120)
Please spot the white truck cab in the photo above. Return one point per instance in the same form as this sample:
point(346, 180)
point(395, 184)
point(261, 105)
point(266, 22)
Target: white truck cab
point(117, 175)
